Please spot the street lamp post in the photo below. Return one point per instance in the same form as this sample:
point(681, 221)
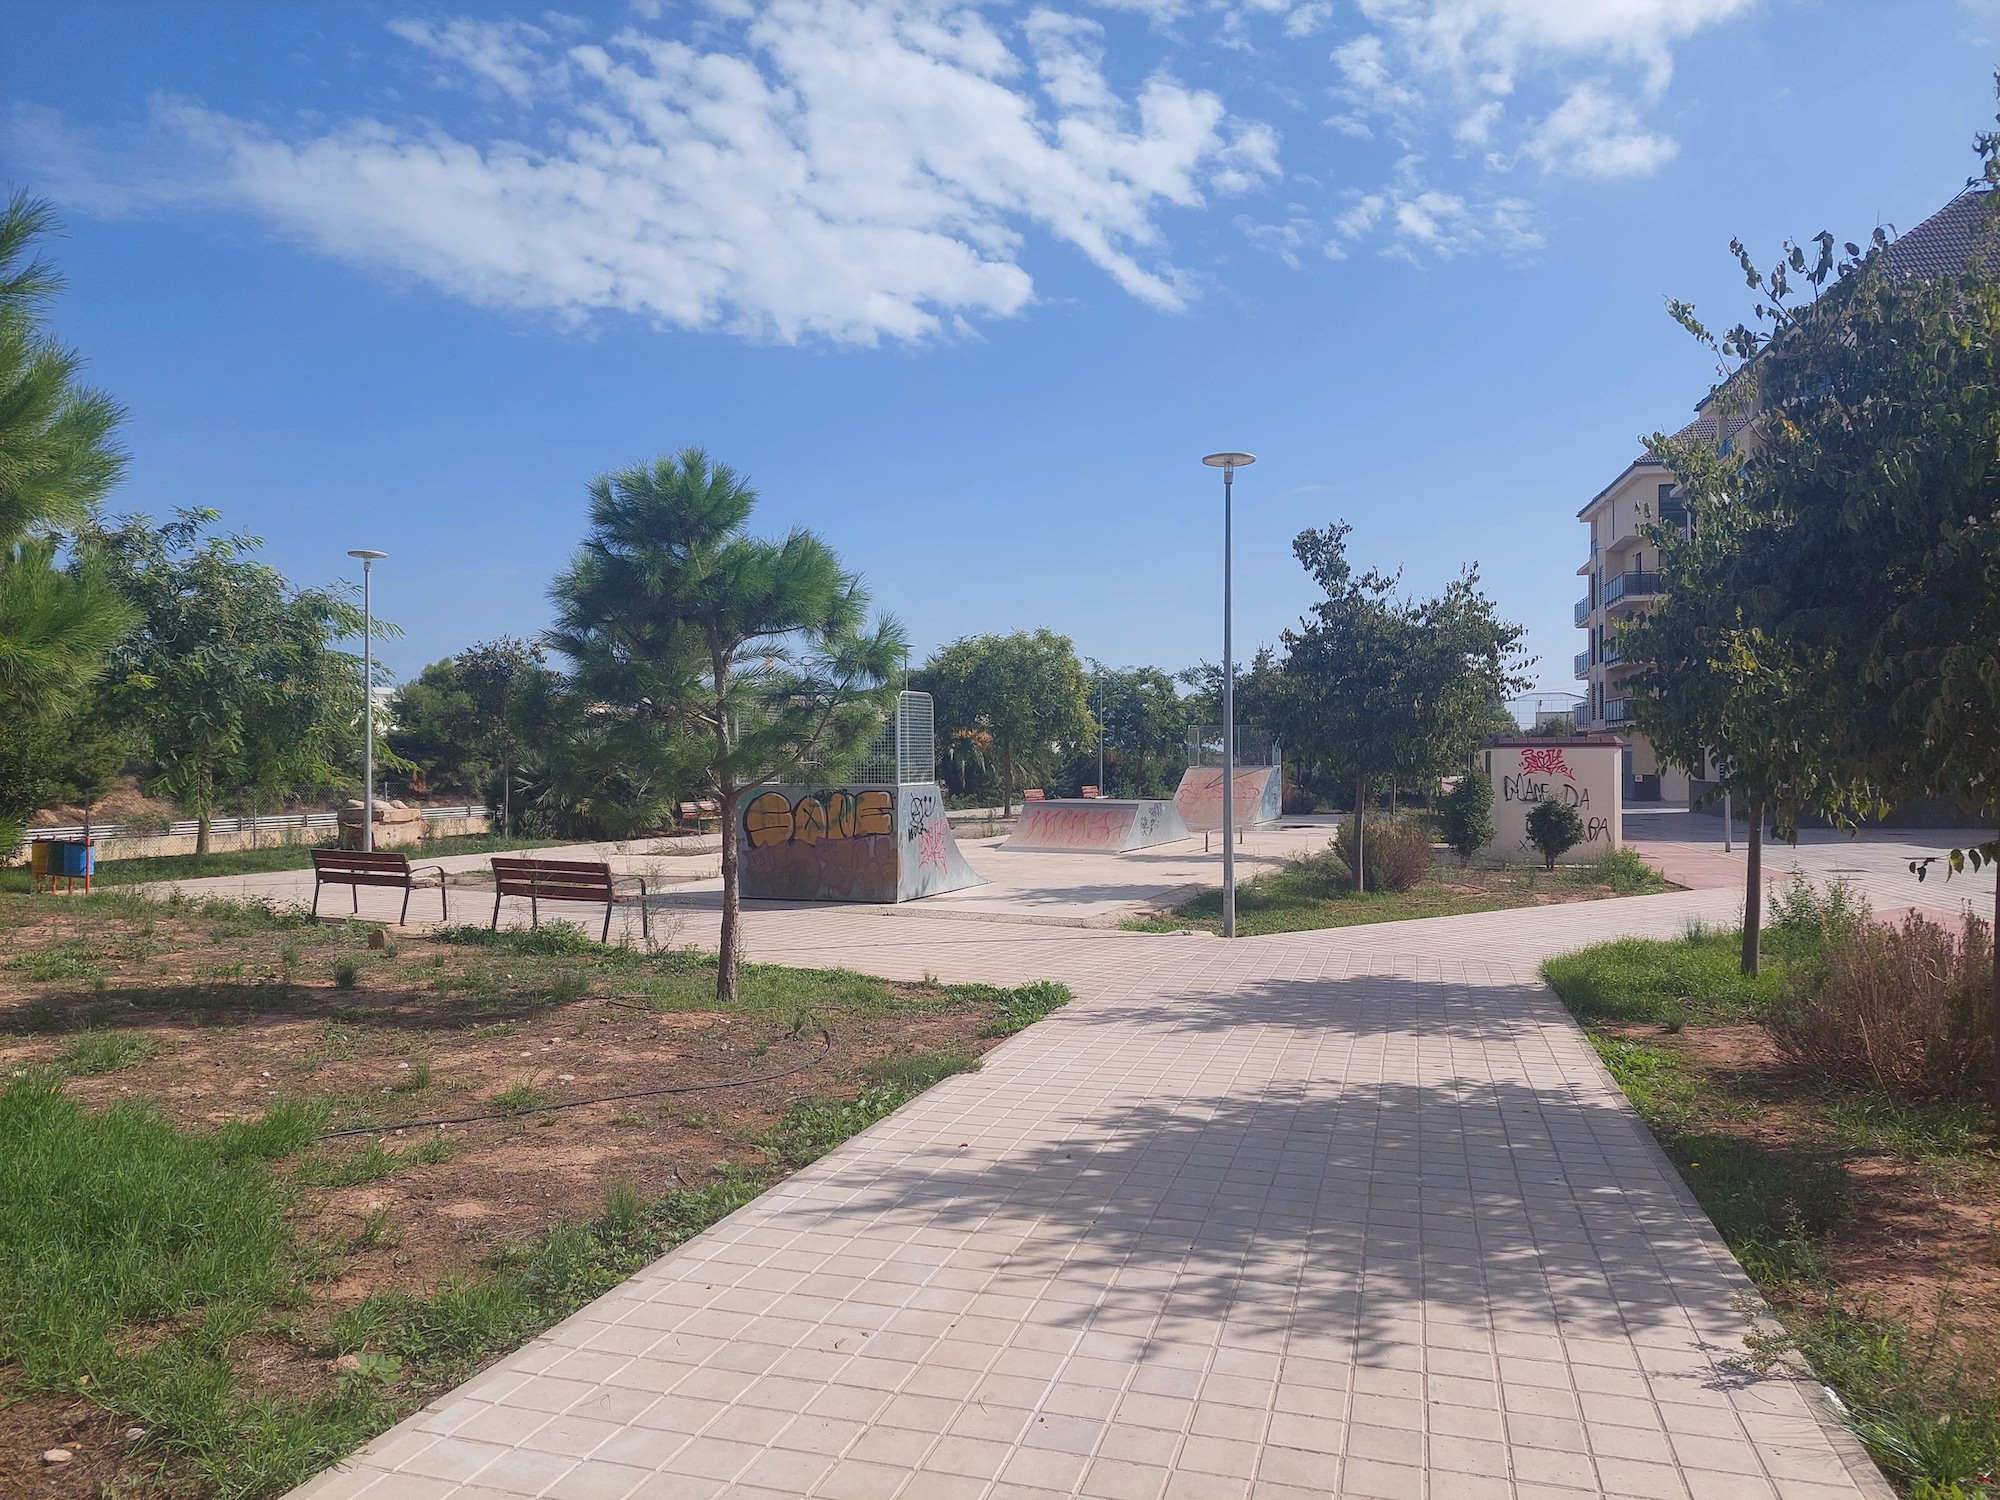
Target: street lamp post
point(1229, 463)
point(368, 560)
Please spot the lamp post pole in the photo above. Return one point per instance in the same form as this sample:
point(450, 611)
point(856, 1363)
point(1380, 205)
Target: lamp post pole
point(1229, 463)
point(368, 559)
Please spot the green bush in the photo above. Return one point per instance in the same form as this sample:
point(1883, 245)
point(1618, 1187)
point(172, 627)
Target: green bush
point(1624, 871)
point(1466, 813)
point(1555, 828)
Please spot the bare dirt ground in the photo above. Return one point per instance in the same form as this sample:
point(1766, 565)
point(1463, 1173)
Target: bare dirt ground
point(546, 1067)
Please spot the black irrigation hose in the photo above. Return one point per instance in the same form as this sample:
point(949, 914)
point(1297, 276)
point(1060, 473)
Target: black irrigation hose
point(826, 1048)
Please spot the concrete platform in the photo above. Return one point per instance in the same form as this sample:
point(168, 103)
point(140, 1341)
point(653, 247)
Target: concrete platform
point(1106, 825)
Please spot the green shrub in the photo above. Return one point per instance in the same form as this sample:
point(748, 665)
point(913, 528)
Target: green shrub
point(1902, 1008)
point(1022, 1007)
point(553, 939)
point(1466, 813)
point(1555, 828)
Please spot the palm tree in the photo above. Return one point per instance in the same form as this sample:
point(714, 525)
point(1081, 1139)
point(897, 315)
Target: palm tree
point(752, 656)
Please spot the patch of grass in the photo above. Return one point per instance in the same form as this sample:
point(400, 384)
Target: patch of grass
point(913, 1072)
point(416, 1080)
point(813, 1127)
point(519, 1098)
point(1695, 979)
point(553, 939)
point(114, 1222)
point(105, 1052)
point(71, 962)
point(372, 1162)
point(346, 974)
point(1020, 1008)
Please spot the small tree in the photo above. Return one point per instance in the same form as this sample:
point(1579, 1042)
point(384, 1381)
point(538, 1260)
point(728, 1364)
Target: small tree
point(232, 679)
point(748, 657)
point(1467, 815)
point(1025, 691)
point(1555, 828)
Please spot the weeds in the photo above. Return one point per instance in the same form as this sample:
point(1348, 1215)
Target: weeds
point(1021, 1008)
point(372, 1162)
point(105, 1052)
point(1696, 979)
point(71, 962)
point(913, 1072)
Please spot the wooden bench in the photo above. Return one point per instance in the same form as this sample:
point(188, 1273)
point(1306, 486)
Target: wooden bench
point(353, 867)
point(699, 813)
point(1093, 792)
point(1034, 794)
point(564, 880)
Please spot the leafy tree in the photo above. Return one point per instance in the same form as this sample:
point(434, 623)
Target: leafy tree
point(1467, 815)
point(1026, 691)
point(459, 721)
point(57, 461)
point(232, 680)
point(1373, 684)
point(1144, 722)
point(1555, 828)
point(749, 661)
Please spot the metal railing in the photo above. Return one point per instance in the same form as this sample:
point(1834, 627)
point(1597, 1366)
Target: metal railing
point(1583, 608)
point(1612, 656)
point(1617, 710)
point(269, 823)
point(1583, 664)
point(1630, 586)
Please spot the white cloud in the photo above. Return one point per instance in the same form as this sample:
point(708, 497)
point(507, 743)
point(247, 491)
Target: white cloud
point(1591, 133)
point(1484, 66)
point(841, 168)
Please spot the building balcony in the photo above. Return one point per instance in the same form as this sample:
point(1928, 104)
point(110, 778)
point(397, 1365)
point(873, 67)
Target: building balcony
point(1617, 710)
point(1582, 664)
point(1583, 608)
point(1630, 586)
point(1611, 656)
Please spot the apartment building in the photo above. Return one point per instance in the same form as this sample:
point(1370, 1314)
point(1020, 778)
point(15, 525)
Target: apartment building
point(1621, 578)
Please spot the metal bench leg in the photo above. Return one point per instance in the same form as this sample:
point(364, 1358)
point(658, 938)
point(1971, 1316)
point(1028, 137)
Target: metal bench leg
point(645, 919)
point(444, 900)
point(405, 916)
point(356, 888)
point(496, 911)
point(605, 936)
point(316, 890)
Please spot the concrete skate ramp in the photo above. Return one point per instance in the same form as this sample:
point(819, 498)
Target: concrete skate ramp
point(1260, 796)
point(1102, 824)
point(850, 843)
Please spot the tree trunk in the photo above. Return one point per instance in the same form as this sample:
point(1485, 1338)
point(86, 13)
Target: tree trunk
point(1753, 889)
point(1006, 783)
point(1392, 798)
point(204, 789)
point(732, 906)
point(1360, 830)
point(1993, 1006)
point(732, 893)
point(506, 794)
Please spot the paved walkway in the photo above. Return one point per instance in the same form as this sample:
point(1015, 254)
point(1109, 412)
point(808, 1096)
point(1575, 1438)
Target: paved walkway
point(1347, 1213)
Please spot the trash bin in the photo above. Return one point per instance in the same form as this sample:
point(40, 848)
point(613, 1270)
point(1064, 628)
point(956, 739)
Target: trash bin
point(70, 859)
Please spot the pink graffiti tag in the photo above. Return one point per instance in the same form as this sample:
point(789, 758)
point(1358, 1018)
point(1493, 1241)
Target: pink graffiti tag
point(1544, 762)
point(931, 846)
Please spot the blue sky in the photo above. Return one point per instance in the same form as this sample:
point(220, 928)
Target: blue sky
point(967, 289)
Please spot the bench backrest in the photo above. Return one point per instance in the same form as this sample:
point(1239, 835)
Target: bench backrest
point(1091, 791)
point(552, 879)
point(1033, 794)
point(361, 867)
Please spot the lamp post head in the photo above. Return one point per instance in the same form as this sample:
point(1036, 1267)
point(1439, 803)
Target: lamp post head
point(366, 555)
point(1230, 462)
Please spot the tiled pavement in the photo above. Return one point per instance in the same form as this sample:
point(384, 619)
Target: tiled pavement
point(1344, 1213)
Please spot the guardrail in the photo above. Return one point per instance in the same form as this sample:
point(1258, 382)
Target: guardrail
point(269, 823)
point(1583, 664)
point(1583, 607)
point(1630, 586)
point(1617, 710)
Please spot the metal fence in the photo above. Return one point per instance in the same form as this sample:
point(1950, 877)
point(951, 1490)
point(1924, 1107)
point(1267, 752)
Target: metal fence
point(269, 823)
point(906, 749)
point(1253, 746)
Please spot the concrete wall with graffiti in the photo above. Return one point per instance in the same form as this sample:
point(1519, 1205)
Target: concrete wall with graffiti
point(850, 843)
point(1586, 772)
point(1260, 796)
point(1101, 824)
